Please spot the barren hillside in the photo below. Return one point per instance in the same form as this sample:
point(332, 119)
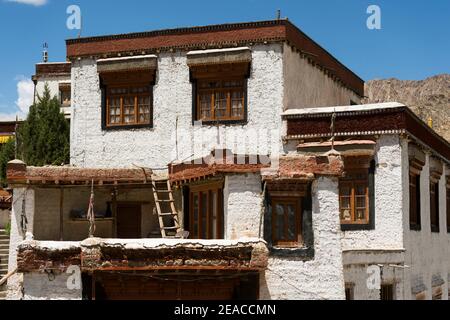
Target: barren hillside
point(427, 98)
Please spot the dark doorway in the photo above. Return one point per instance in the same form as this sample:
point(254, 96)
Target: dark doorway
point(166, 286)
point(128, 221)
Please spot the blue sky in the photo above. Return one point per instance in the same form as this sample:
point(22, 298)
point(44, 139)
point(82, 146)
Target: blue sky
point(414, 42)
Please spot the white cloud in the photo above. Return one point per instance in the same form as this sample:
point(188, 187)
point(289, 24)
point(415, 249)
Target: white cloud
point(35, 3)
point(25, 93)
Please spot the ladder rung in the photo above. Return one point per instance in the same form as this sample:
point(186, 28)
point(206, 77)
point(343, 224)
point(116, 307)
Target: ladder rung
point(163, 191)
point(169, 228)
point(165, 200)
point(168, 214)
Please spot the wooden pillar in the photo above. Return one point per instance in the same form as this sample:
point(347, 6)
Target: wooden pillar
point(61, 214)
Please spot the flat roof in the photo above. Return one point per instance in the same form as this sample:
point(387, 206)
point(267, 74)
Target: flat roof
point(214, 37)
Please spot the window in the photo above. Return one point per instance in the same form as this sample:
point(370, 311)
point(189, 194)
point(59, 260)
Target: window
point(287, 222)
point(220, 92)
point(128, 105)
point(354, 197)
point(414, 201)
point(64, 95)
point(349, 291)
point(127, 99)
point(434, 206)
point(206, 211)
point(387, 292)
point(220, 100)
point(448, 204)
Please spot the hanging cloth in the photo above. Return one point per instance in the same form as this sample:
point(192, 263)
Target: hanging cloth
point(91, 213)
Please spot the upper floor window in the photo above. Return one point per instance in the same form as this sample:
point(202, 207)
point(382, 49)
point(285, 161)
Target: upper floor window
point(205, 216)
point(436, 170)
point(356, 191)
point(64, 95)
point(417, 160)
point(354, 197)
point(220, 93)
point(414, 201)
point(287, 222)
point(127, 99)
point(448, 204)
point(434, 206)
point(220, 99)
point(129, 105)
point(288, 218)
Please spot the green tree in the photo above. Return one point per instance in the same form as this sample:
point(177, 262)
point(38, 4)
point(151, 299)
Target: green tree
point(7, 153)
point(43, 139)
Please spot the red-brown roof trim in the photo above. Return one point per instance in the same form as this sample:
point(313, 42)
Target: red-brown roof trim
point(399, 120)
point(215, 36)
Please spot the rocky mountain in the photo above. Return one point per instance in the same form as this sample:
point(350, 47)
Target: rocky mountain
point(429, 98)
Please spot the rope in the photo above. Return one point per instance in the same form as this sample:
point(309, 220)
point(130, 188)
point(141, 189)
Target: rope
point(90, 213)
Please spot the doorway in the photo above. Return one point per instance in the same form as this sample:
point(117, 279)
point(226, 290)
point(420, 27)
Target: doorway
point(129, 217)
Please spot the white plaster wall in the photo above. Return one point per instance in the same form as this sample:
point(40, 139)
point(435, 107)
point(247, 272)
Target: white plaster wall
point(16, 237)
point(357, 276)
point(38, 286)
point(322, 277)
point(389, 206)
point(243, 204)
point(92, 147)
point(306, 86)
point(428, 253)
point(53, 84)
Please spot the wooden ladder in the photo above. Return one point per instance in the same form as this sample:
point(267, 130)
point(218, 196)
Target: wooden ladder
point(165, 207)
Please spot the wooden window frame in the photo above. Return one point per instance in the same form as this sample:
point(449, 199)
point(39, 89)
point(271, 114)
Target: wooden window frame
point(447, 189)
point(434, 207)
point(220, 73)
point(367, 222)
point(126, 79)
point(221, 89)
point(135, 97)
point(206, 191)
point(285, 243)
point(65, 89)
point(415, 220)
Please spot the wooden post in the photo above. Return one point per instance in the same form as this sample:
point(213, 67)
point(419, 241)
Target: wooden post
point(61, 214)
point(114, 212)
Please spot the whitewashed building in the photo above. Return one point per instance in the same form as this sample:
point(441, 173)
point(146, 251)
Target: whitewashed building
point(56, 75)
point(276, 193)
